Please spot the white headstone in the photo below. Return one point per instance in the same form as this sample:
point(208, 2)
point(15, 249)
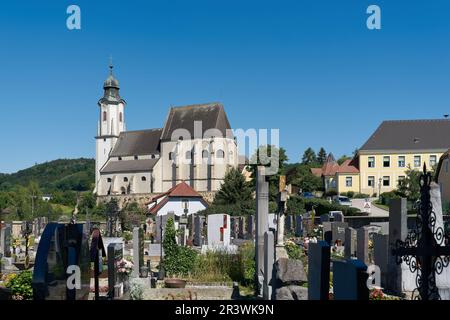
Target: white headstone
point(218, 230)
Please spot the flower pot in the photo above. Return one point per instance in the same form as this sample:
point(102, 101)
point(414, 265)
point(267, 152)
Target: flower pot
point(175, 283)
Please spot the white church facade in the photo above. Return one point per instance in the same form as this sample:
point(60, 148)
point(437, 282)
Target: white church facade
point(195, 146)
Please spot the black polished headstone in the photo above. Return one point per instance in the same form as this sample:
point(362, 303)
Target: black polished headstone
point(318, 270)
point(350, 280)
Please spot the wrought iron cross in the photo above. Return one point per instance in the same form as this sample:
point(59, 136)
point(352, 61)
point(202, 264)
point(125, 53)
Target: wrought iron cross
point(423, 249)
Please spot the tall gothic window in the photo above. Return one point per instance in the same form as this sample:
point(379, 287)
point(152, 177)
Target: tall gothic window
point(104, 115)
point(120, 117)
point(205, 154)
point(220, 153)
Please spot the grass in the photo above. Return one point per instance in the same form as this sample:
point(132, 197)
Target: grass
point(66, 210)
point(380, 206)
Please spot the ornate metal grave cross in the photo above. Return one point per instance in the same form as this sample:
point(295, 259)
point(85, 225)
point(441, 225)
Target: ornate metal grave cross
point(423, 249)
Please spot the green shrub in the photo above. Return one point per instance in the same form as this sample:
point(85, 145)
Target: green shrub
point(361, 196)
point(293, 250)
point(178, 260)
point(21, 286)
point(386, 197)
point(349, 194)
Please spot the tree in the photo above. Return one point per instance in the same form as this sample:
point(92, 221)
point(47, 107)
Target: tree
point(234, 189)
point(131, 216)
point(309, 157)
point(260, 157)
point(410, 186)
point(342, 159)
point(322, 156)
point(302, 177)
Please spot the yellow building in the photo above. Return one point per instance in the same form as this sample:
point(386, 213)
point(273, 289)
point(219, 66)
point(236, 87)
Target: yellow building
point(382, 161)
point(443, 178)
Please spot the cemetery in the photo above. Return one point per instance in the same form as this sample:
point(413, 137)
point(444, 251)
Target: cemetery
point(266, 255)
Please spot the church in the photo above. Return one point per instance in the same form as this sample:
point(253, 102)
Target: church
point(196, 146)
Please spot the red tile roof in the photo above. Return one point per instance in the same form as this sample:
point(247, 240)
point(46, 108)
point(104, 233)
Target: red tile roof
point(180, 190)
point(349, 166)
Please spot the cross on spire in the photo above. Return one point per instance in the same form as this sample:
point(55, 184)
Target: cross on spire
point(111, 66)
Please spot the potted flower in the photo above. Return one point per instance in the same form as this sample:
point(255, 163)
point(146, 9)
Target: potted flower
point(124, 268)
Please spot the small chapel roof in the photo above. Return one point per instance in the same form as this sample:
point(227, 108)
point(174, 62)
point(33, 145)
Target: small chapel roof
point(211, 116)
point(134, 143)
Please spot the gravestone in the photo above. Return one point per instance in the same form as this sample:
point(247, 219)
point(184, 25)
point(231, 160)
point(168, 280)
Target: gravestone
point(338, 232)
point(362, 244)
point(318, 270)
point(350, 243)
point(397, 231)
point(198, 230)
point(62, 250)
point(338, 216)
point(138, 251)
point(327, 232)
point(234, 227)
point(241, 232)
point(384, 227)
point(182, 235)
point(218, 230)
point(324, 218)
point(299, 226)
point(272, 222)
point(269, 255)
point(381, 253)
point(161, 221)
point(288, 225)
point(115, 254)
point(250, 227)
point(350, 280)
point(262, 214)
point(5, 240)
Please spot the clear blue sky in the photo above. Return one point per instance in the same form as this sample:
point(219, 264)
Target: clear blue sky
point(310, 68)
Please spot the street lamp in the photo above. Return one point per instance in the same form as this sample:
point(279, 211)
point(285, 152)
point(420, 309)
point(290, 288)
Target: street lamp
point(379, 188)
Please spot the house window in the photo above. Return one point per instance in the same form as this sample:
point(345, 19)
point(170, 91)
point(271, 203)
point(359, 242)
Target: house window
point(386, 181)
point(371, 181)
point(386, 161)
point(143, 178)
point(348, 181)
point(220, 153)
point(371, 162)
point(433, 160)
point(417, 161)
point(401, 161)
point(400, 180)
point(109, 179)
point(136, 157)
point(125, 179)
point(104, 115)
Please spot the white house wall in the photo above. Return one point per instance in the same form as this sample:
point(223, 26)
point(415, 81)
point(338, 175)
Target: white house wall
point(175, 205)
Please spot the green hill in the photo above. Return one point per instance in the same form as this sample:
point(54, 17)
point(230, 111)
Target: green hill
point(61, 174)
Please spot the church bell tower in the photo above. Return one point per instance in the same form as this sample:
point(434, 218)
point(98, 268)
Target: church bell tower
point(110, 124)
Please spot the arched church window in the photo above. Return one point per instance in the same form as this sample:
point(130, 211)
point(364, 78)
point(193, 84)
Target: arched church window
point(123, 190)
point(143, 178)
point(120, 117)
point(104, 115)
point(125, 179)
point(220, 154)
point(205, 154)
point(109, 179)
point(170, 155)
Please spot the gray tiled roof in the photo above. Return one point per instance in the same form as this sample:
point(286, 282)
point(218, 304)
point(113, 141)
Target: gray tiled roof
point(410, 135)
point(142, 142)
point(129, 166)
point(211, 115)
